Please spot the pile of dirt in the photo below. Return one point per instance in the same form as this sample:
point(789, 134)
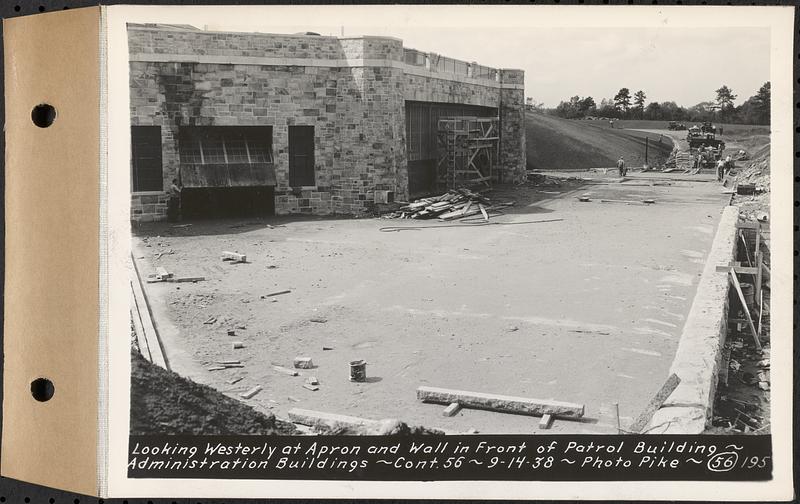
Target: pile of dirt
point(389, 427)
point(163, 402)
point(755, 171)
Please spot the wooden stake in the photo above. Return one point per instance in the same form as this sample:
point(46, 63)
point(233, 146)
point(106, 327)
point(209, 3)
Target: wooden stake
point(759, 273)
point(738, 287)
point(669, 386)
point(616, 413)
point(760, 312)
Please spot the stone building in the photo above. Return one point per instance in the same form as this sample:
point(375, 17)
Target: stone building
point(278, 124)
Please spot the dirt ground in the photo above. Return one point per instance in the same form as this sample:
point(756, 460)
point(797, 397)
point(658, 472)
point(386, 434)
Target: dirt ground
point(587, 308)
point(183, 407)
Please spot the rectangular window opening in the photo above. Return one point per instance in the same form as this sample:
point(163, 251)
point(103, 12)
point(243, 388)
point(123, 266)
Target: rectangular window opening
point(147, 168)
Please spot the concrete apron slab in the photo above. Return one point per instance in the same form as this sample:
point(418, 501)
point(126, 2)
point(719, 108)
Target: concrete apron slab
point(699, 353)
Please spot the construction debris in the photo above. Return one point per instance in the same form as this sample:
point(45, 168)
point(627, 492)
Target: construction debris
point(501, 403)
point(281, 369)
point(234, 257)
point(546, 421)
point(656, 402)
point(279, 293)
point(210, 320)
point(451, 410)
point(312, 380)
point(250, 393)
point(310, 387)
point(237, 345)
point(455, 204)
point(303, 363)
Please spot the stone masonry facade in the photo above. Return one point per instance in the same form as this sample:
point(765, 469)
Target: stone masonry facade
point(352, 90)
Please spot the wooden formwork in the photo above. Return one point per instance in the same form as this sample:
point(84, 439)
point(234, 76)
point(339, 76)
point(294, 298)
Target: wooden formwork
point(467, 150)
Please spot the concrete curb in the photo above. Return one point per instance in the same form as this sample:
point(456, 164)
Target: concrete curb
point(697, 360)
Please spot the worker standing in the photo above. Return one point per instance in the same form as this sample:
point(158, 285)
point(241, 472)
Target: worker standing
point(174, 202)
point(621, 167)
point(720, 169)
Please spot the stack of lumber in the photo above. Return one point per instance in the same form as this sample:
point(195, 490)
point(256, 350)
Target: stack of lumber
point(454, 204)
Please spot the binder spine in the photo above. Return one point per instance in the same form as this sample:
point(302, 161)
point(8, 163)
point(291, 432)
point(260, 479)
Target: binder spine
point(52, 270)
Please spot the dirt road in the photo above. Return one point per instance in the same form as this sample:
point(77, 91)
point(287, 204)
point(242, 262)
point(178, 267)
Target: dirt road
point(588, 309)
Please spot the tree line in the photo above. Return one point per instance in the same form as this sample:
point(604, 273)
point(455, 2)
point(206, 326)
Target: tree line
point(624, 105)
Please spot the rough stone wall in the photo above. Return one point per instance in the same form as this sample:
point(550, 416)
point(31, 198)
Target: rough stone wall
point(512, 127)
point(697, 361)
point(358, 112)
point(166, 41)
point(443, 90)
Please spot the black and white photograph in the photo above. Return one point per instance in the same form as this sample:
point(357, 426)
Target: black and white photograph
point(384, 229)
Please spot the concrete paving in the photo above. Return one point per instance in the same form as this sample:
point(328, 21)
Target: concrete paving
point(588, 309)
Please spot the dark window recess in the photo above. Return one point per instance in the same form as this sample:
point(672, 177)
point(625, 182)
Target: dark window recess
point(146, 158)
point(225, 145)
point(301, 156)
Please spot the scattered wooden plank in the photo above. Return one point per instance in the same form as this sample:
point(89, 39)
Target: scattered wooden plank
point(237, 345)
point(235, 380)
point(217, 368)
point(502, 403)
point(186, 279)
point(311, 418)
point(655, 403)
point(310, 387)
point(278, 293)
point(303, 363)
point(233, 256)
point(162, 273)
point(210, 320)
point(227, 362)
point(146, 318)
point(546, 421)
point(451, 410)
point(483, 212)
point(281, 369)
point(250, 393)
point(738, 287)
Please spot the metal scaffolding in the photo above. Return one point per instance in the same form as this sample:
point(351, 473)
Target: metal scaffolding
point(468, 150)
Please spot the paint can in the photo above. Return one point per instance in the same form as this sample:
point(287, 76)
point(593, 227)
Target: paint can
point(358, 370)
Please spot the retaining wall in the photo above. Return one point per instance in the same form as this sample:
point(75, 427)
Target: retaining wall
point(697, 361)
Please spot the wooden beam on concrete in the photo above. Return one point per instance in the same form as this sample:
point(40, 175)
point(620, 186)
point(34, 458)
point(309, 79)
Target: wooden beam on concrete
point(311, 418)
point(504, 404)
point(146, 318)
point(738, 288)
point(655, 403)
point(233, 256)
point(451, 410)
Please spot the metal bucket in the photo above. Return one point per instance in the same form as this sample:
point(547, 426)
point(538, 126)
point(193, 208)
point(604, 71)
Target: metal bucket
point(358, 370)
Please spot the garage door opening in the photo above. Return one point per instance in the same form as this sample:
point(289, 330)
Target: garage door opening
point(208, 203)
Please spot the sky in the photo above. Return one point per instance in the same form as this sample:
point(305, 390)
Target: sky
point(684, 65)
point(672, 55)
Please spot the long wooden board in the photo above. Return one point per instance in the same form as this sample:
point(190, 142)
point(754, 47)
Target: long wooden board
point(146, 317)
point(502, 403)
point(656, 402)
point(738, 287)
